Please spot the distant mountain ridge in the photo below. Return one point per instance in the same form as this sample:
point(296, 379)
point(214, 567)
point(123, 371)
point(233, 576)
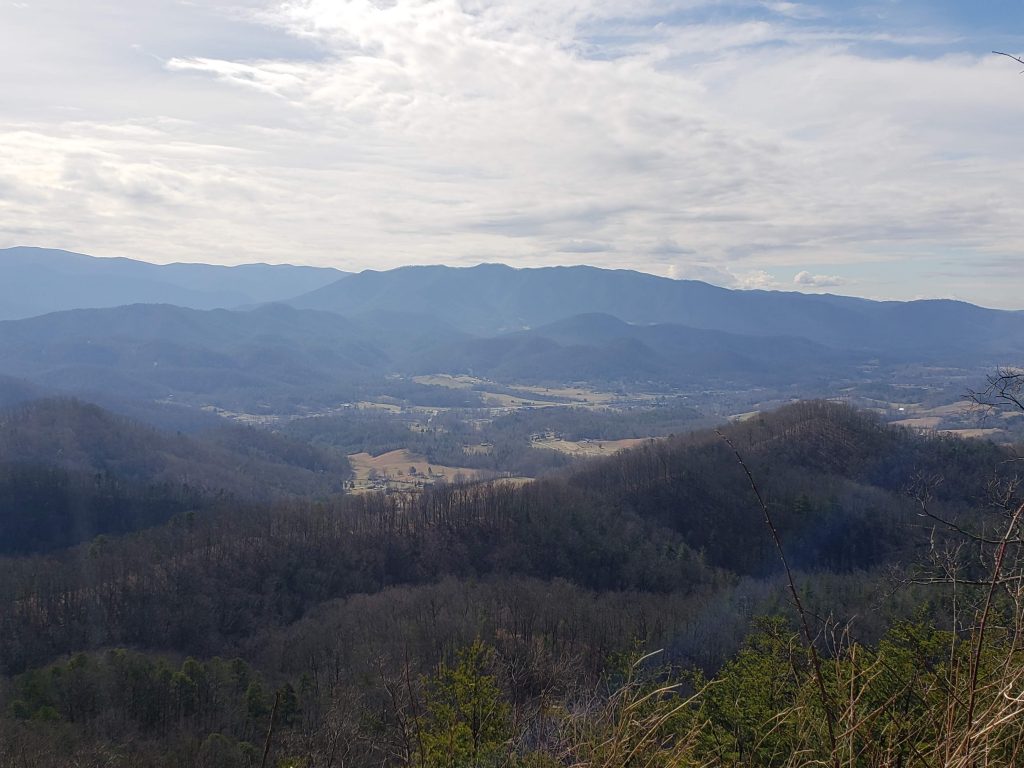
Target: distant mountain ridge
point(490, 299)
point(600, 347)
point(36, 281)
point(495, 299)
point(364, 335)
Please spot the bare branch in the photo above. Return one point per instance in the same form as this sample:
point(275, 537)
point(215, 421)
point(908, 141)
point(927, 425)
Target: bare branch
point(1018, 59)
point(1005, 388)
point(808, 637)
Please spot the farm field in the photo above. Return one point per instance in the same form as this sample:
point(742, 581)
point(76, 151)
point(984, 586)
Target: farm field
point(577, 396)
point(991, 433)
point(919, 422)
point(404, 470)
point(589, 447)
point(962, 419)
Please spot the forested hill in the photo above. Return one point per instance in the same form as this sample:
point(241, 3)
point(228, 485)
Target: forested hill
point(273, 354)
point(347, 607)
point(70, 470)
point(835, 479)
point(843, 488)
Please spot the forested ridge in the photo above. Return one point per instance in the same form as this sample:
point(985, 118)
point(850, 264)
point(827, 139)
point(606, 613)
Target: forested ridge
point(502, 624)
point(70, 471)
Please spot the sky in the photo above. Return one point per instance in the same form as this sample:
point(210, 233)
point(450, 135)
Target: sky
point(869, 149)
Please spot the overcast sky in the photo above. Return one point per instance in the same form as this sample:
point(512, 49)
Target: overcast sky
point(871, 149)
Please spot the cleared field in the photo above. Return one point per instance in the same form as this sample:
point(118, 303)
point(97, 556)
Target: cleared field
point(392, 470)
point(500, 400)
point(252, 419)
point(953, 409)
point(545, 396)
point(990, 432)
point(745, 416)
point(920, 422)
point(590, 447)
point(368, 405)
point(449, 381)
point(578, 395)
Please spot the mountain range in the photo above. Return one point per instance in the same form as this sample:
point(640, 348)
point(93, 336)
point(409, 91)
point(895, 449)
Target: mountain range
point(300, 337)
point(34, 281)
point(492, 299)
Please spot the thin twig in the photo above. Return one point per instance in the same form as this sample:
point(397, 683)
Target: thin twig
point(808, 637)
point(270, 730)
point(976, 661)
point(1018, 59)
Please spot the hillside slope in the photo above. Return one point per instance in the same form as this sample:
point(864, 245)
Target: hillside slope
point(153, 351)
point(70, 470)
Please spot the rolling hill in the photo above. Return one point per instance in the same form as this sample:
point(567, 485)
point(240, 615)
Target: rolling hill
point(153, 351)
point(70, 470)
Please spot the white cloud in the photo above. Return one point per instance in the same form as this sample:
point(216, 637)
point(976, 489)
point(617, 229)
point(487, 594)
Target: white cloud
point(370, 134)
point(585, 246)
point(795, 10)
point(805, 279)
point(756, 279)
point(725, 277)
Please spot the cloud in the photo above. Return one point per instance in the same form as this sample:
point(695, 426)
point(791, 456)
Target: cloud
point(795, 10)
point(706, 273)
point(760, 136)
point(670, 248)
point(807, 280)
point(757, 279)
point(584, 246)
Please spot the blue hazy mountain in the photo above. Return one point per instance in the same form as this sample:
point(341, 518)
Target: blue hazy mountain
point(35, 281)
point(600, 347)
point(154, 350)
point(271, 358)
point(342, 342)
point(492, 298)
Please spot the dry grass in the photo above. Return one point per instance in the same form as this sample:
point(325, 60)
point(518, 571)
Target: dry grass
point(990, 433)
point(919, 422)
point(590, 447)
